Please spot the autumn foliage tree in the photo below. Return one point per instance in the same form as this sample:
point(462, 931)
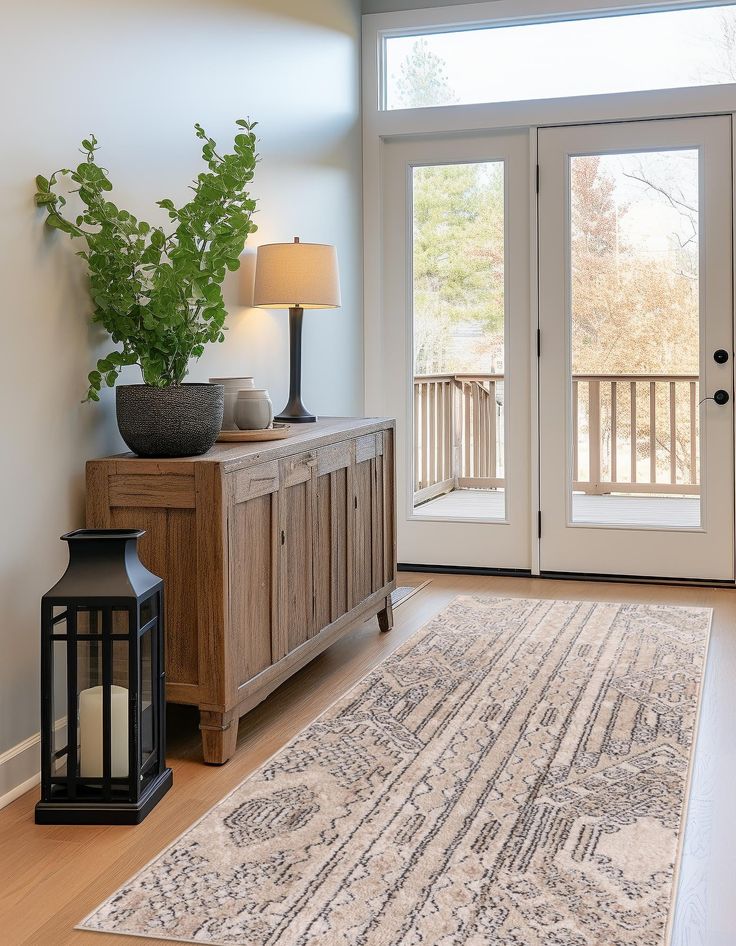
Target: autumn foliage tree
point(633, 312)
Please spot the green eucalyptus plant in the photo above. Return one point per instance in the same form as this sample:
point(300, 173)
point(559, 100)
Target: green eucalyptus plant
point(157, 293)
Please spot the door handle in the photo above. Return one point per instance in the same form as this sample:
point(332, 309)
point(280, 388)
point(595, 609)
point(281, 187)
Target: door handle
point(720, 356)
point(721, 397)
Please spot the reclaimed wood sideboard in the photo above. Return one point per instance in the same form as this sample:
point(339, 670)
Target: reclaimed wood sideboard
point(269, 552)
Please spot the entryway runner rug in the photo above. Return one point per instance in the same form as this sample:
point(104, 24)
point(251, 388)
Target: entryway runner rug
point(515, 774)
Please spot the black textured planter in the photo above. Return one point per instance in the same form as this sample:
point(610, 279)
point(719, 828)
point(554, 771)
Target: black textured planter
point(179, 421)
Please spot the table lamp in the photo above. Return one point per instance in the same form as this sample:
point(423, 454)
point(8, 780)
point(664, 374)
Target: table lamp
point(296, 276)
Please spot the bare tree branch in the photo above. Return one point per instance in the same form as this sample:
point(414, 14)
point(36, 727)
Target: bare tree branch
point(677, 204)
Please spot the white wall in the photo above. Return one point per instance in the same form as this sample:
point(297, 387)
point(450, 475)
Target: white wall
point(139, 74)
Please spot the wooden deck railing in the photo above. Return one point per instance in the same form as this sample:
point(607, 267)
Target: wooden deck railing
point(459, 433)
point(656, 413)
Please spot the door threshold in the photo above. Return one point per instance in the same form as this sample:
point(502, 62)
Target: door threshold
point(641, 579)
point(465, 570)
point(567, 576)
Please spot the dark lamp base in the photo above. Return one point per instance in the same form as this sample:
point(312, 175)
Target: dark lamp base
point(295, 418)
point(105, 812)
point(295, 412)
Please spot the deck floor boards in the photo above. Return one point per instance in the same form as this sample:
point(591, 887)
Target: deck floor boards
point(675, 512)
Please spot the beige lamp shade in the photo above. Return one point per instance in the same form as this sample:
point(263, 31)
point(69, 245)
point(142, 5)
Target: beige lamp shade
point(297, 275)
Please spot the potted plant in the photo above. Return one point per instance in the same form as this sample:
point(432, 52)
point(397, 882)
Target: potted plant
point(157, 291)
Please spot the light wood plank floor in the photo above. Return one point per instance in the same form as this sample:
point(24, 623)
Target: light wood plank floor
point(50, 877)
point(673, 511)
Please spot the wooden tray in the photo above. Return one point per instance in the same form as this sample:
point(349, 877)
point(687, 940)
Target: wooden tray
point(277, 432)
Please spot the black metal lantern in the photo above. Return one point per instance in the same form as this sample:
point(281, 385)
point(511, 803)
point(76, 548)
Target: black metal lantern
point(102, 685)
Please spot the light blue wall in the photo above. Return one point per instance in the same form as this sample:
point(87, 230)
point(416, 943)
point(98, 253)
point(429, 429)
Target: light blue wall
point(139, 74)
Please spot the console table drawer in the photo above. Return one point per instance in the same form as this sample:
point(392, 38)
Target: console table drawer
point(335, 456)
point(366, 448)
point(297, 469)
point(255, 481)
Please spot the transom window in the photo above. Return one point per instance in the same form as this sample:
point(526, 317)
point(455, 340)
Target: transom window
point(560, 58)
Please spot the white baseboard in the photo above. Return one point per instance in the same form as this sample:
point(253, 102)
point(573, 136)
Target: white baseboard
point(20, 769)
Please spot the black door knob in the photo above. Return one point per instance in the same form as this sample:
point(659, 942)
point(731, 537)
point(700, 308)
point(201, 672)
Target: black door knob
point(721, 397)
point(720, 356)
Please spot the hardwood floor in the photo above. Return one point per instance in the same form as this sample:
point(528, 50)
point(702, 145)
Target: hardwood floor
point(50, 877)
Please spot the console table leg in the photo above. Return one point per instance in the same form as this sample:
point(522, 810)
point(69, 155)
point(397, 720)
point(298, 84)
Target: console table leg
point(386, 616)
point(219, 736)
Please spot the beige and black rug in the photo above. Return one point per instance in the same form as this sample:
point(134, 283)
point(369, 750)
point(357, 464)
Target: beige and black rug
point(513, 775)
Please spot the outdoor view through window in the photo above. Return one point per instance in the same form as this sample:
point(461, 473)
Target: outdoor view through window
point(635, 335)
point(626, 53)
point(458, 307)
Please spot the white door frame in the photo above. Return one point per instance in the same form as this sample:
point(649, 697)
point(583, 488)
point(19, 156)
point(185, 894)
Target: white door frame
point(381, 125)
point(467, 541)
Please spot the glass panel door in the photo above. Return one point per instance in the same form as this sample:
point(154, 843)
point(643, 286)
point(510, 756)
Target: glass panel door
point(635, 303)
point(635, 327)
point(456, 344)
point(458, 325)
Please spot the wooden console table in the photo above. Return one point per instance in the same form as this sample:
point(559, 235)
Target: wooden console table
point(270, 552)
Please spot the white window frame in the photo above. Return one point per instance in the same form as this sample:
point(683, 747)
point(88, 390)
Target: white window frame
point(380, 125)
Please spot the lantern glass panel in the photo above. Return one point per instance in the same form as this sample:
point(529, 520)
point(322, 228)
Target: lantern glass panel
point(91, 659)
point(149, 609)
point(89, 700)
point(89, 648)
point(89, 622)
point(119, 704)
point(147, 672)
point(120, 647)
point(121, 621)
point(60, 695)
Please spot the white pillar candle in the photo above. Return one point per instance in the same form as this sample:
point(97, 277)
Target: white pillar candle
point(90, 732)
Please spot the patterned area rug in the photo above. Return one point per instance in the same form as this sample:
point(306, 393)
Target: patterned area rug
point(513, 775)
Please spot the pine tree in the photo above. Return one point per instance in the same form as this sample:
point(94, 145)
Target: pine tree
point(423, 80)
